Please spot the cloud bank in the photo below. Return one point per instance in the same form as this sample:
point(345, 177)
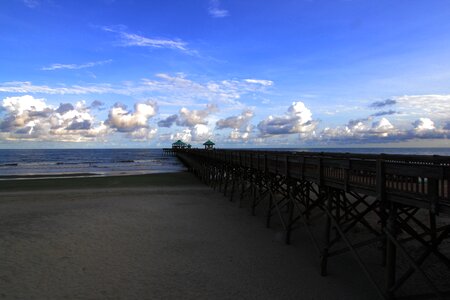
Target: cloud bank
point(29, 118)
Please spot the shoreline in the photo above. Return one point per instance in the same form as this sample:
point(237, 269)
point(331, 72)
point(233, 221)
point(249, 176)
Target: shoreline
point(166, 179)
point(83, 174)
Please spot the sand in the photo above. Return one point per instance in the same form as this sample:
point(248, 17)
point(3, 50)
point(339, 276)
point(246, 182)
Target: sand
point(165, 236)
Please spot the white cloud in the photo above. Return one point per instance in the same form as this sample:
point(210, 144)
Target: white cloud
point(127, 121)
point(215, 10)
point(132, 39)
point(201, 132)
point(185, 135)
point(172, 90)
point(18, 105)
point(190, 118)
point(197, 133)
point(382, 127)
point(423, 124)
point(435, 106)
point(28, 87)
point(143, 134)
point(259, 81)
point(298, 119)
point(29, 118)
point(359, 130)
point(383, 131)
point(226, 91)
point(31, 3)
point(75, 66)
point(237, 123)
point(240, 135)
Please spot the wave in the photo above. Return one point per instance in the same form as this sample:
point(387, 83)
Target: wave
point(9, 165)
point(43, 162)
point(125, 161)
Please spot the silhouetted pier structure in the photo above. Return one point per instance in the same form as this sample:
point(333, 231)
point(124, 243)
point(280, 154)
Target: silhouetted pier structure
point(396, 204)
point(169, 151)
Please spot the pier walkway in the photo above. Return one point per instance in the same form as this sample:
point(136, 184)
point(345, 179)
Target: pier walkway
point(392, 207)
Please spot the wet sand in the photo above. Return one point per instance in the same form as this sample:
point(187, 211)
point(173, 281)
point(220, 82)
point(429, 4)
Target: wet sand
point(161, 236)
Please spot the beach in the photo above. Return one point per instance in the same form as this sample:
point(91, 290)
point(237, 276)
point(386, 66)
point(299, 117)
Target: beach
point(158, 236)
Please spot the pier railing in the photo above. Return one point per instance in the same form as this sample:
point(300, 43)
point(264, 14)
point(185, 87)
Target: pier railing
point(402, 201)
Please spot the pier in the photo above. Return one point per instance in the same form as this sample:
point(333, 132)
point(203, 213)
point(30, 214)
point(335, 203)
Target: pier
point(394, 207)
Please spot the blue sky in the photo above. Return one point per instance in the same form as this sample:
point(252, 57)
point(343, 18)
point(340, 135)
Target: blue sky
point(304, 73)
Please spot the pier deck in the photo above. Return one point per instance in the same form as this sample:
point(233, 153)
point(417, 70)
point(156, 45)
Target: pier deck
point(402, 203)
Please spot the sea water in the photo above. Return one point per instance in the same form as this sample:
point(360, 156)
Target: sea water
point(85, 162)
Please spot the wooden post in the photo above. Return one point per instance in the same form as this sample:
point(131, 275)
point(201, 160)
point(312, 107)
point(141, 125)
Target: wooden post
point(391, 251)
point(381, 197)
point(324, 260)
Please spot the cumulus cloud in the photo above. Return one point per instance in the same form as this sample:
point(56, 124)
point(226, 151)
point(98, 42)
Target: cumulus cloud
point(235, 122)
point(423, 124)
point(143, 134)
point(201, 132)
point(215, 10)
point(447, 126)
point(184, 135)
point(169, 121)
point(64, 107)
point(97, 104)
point(26, 117)
point(195, 121)
point(381, 104)
point(359, 131)
point(383, 131)
point(190, 118)
point(80, 125)
point(382, 127)
point(298, 119)
point(18, 105)
point(358, 122)
point(197, 133)
point(126, 121)
point(240, 126)
point(240, 135)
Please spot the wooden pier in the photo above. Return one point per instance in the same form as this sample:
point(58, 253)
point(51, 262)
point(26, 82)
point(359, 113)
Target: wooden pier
point(169, 151)
point(398, 205)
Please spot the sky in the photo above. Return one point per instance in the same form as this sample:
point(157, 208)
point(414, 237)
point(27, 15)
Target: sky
point(273, 73)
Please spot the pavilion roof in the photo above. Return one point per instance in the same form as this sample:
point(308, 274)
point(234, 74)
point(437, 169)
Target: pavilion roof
point(179, 143)
point(208, 142)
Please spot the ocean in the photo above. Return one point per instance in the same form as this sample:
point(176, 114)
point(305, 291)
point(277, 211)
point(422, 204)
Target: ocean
point(85, 162)
point(28, 163)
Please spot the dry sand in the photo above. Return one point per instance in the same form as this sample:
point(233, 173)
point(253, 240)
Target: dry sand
point(171, 238)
